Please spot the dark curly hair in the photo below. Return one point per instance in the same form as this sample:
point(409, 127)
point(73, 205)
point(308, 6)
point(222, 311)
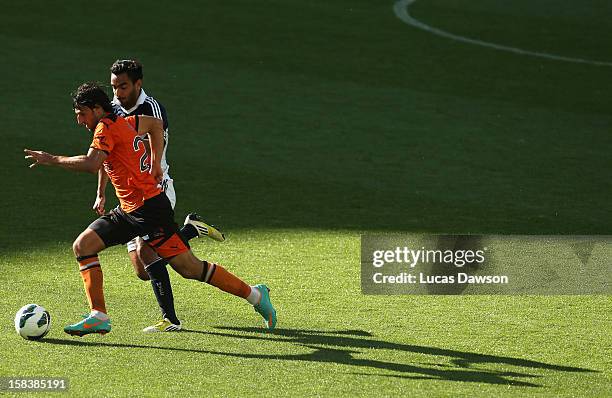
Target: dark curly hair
point(91, 94)
point(132, 67)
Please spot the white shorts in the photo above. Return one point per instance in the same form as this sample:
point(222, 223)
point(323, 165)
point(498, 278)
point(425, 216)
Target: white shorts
point(168, 185)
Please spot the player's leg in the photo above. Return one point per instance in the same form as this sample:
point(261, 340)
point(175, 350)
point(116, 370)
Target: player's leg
point(155, 269)
point(86, 248)
point(106, 231)
point(162, 288)
point(137, 264)
point(160, 283)
point(189, 266)
point(164, 239)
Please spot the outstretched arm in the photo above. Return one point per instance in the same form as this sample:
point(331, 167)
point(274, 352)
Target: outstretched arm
point(89, 163)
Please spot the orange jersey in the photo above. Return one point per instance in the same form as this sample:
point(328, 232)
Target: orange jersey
point(127, 164)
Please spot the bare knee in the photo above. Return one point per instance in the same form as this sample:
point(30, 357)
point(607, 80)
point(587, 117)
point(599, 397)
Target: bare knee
point(145, 253)
point(76, 247)
point(142, 275)
point(138, 266)
point(87, 243)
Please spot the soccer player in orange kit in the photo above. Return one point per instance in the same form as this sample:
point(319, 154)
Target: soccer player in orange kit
point(144, 209)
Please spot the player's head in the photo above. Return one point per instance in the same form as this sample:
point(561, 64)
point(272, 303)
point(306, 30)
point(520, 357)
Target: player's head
point(90, 104)
point(126, 80)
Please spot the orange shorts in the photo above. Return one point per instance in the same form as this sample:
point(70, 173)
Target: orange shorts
point(169, 247)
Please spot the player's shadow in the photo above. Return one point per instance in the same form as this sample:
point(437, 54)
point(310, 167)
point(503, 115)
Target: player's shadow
point(340, 347)
point(461, 368)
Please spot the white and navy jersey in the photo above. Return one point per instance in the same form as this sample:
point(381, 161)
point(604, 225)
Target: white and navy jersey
point(146, 105)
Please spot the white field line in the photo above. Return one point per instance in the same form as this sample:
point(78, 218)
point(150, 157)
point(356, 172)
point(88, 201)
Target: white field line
point(401, 11)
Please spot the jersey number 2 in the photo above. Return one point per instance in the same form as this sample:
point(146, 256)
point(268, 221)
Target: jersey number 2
point(144, 165)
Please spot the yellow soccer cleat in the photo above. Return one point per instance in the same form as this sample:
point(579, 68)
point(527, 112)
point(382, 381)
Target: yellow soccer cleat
point(203, 228)
point(163, 326)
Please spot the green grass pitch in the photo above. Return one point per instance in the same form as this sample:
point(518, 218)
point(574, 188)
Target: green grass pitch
point(297, 126)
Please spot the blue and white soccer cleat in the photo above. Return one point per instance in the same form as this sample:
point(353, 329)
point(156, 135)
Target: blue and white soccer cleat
point(90, 324)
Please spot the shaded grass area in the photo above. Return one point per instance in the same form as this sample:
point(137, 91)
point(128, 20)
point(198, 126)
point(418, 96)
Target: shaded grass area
point(325, 122)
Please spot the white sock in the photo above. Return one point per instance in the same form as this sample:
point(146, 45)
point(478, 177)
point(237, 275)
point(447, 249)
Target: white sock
point(98, 314)
point(255, 296)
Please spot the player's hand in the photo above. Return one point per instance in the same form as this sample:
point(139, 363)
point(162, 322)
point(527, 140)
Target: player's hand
point(98, 205)
point(38, 157)
point(157, 173)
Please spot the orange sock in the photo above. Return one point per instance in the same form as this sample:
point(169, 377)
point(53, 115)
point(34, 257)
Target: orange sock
point(93, 281)
point(221, 278)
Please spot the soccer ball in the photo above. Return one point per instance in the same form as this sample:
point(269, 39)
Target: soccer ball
point(32, 322)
